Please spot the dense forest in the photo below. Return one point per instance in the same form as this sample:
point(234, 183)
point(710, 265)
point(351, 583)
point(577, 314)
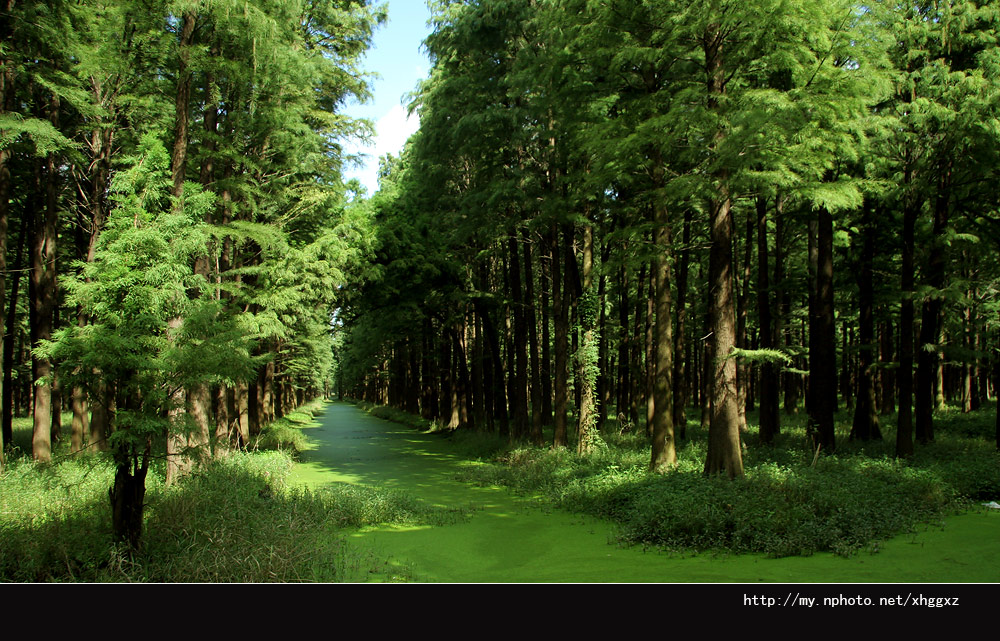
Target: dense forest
point(170, 184)
point(616, 213)
point(633, 208)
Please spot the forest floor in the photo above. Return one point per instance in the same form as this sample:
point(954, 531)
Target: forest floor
point(370, 500)
point(520, 537)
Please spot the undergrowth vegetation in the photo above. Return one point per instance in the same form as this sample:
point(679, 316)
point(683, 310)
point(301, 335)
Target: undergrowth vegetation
point(234, 521)
point(791, 502)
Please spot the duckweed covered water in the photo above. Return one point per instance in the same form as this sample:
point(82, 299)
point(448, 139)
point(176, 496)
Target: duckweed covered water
point(508, 538)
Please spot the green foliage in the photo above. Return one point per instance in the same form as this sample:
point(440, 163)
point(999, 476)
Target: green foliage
point(784, 506)
point(49, 516)
point(761, 356)
point(235, 521)
point(148, 338)
point(398, 416)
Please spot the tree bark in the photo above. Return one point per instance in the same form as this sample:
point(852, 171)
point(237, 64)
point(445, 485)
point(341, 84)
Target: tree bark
point(586, 365)
point(680, 348)
point(624, 384)
point(178, 463)
point(664, 446)
point(887, 404)
point(9, 338)
point(930, 325)
point(548, 311)
point(742, 311)
point(823, 346)
point(127, 496)
point(783, 321)
point(769, 376)
point(6, 106)
point(560, 303)
point(865, 425)
point(43, 276)
point(904, 425)
point(724, 454)
point(519, 382)
point(536, 390)
point(649, 372)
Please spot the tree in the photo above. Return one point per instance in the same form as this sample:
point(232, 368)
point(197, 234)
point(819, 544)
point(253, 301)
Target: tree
point(136, 285)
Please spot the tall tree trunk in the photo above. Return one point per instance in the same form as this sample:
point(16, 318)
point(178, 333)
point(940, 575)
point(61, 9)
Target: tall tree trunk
point(267, 394)
point(586, 358)
point(649, 373)
point(536, 390)
point(976, 366)
point(487, 375)
point(930, 325)
point(560, 303)
point(865, 425)
point(904, 426)
point(769, 418)
point(846, 371)
point(519, 382)
point(624, 385)
point(6, 106)
point(548, 312)
point(9, 338)
point(813, 304)
point(968, 345)
point(783, 324)
point(412, 376)
point(427, 374)
point(664, 447)
point(724, 454)
point(101, 153)
point(480, 403)
point(680, 348)
point(81, 424)
point(707, 369)
point(887, 377)
point(43, 275)
point(823, 346)
point(603, 393)
point(178, 461)
point(742, 310)
point(637, 374)
point(241, 405)
point(996, 386)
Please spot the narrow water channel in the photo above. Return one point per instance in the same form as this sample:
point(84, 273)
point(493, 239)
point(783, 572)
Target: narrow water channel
point(515, 539)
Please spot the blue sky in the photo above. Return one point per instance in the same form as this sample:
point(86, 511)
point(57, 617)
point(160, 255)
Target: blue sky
point(398, 58)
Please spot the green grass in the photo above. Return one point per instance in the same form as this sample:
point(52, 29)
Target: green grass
point(234, 521)
point(238, 520)
point(784, 506)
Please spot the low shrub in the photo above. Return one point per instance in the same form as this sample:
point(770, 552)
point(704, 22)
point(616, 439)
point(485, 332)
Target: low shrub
point(784, 506)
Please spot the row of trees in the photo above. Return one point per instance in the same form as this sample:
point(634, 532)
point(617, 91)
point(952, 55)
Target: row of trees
point(170, 183)
point(631, 205)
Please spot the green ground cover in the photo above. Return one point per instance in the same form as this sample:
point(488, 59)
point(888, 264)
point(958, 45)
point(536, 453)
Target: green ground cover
point(235, 521)
point(791, 501)
point(522, 527)
point(373, 500)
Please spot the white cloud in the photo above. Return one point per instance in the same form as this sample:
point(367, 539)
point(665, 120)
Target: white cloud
point(391, 132)
point(393, 129)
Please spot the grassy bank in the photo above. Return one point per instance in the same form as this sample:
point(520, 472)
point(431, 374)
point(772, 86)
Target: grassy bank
point(234, 521)
point(789, 503)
